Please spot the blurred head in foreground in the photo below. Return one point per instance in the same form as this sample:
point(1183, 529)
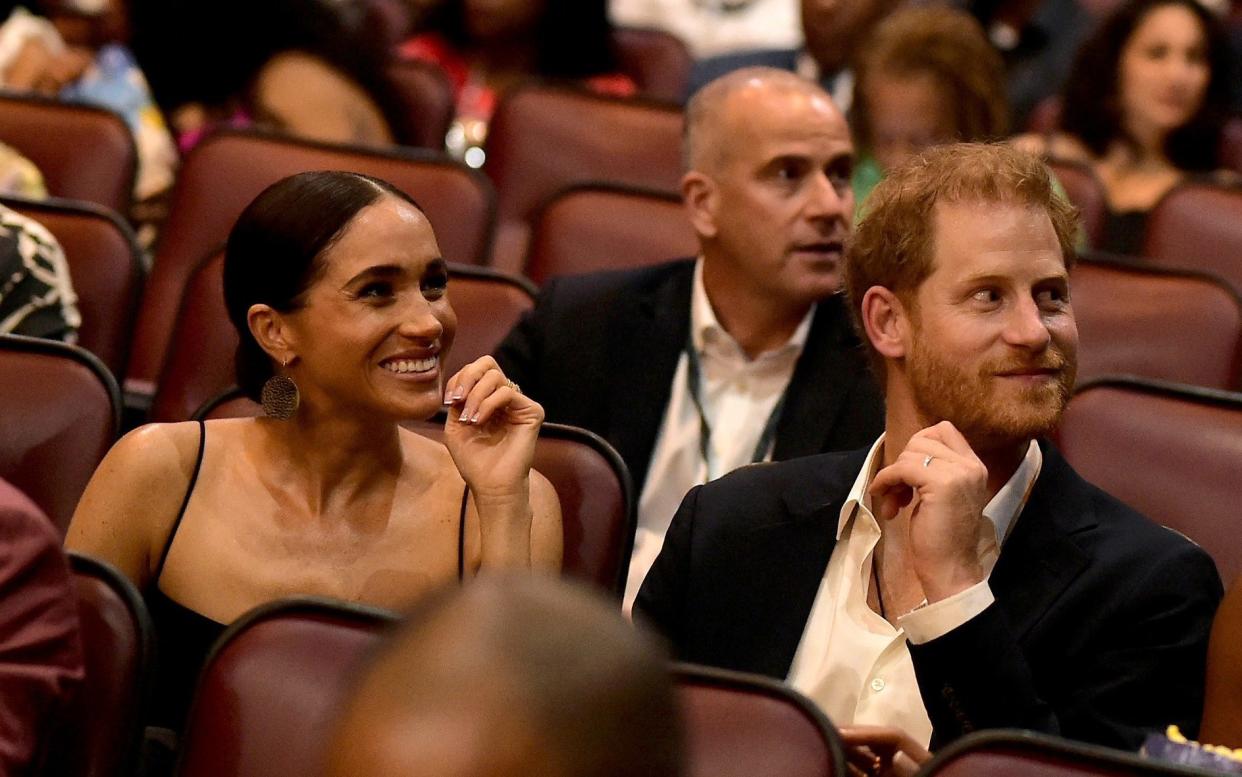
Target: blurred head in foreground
point(511, 676)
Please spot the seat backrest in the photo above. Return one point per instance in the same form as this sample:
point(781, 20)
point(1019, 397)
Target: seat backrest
point(1172, 453)
point(271, 686)
point(200, 360)
point(425, 97)
point(1027, 754)
point(596, 495)
point(117, 643)
point(738, 725)
point(1085, 192)
point(544, 138)
point(1231, 145)
point(601, 227)
point(62, 410)
point(1156, 324)
point(104, 264)
point(488, 304)
point(1222, 703)
point(591, 481)
point(1198, 226)
point(657, 61)
point(84, 153)
point(226, 171)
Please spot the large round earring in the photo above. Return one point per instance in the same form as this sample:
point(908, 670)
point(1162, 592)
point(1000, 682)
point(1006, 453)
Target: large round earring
point(280, 397)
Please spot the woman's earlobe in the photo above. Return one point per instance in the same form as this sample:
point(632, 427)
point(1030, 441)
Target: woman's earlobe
point(271, 332)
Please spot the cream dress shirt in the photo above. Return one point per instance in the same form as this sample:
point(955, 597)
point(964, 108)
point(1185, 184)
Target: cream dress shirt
point(738, 396)
point(854, 664)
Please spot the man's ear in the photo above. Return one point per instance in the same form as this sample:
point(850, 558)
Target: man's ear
point(698, 194)
point(271, 331)
point(887, 322)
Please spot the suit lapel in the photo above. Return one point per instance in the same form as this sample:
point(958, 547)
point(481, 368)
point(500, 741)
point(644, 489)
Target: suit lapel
point(783, 562)
point(824, 376)
point(644, 343)
point(1040, 559)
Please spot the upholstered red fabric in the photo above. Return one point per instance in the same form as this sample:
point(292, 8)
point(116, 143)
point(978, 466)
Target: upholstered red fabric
point(105, 267)
point(84, 153)
point(270, 689)
point(1222, 706)
point(1156, 324)
point(118, 646)
point(543, 139)
point(1172, 453)
point(1086, 193)
point(657, 61)
point(227, 170)
point(1198, 226)
point(426, 97)
point(41, 664)
point(739, 725)
point(62, 412)
point(597, 227)
point(1025, 754)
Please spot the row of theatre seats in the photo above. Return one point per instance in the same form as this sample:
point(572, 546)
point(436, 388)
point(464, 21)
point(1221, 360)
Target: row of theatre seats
point(273, 680)
point(530, 212)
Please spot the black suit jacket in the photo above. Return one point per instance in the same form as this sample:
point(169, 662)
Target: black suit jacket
point(599, 351)
point(1099, 630)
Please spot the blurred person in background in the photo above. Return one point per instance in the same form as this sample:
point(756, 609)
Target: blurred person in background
point(926, 76)
point(1144, 109)
point(486, 47)
point(833, 31)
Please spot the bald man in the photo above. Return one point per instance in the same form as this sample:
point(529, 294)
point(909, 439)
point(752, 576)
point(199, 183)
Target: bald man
point(743, 354)
point(505, 677)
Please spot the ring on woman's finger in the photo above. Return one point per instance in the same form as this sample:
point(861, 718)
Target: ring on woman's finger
point(513, 386)
point(927, 460)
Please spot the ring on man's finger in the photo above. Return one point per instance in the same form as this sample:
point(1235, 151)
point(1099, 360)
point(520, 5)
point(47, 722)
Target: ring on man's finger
point(927, 460)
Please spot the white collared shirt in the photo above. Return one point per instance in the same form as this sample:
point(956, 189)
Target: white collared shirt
point(855, 664)
point(708, 31)
point(738, 396)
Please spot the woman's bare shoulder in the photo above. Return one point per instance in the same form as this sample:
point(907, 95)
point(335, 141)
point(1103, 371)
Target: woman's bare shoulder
point(1057, 145)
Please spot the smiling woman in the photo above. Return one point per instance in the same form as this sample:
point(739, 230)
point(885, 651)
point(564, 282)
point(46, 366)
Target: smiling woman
point(1144, 108)
point(336, 286)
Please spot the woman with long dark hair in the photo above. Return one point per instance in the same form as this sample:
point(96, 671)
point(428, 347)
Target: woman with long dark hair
point(340, 298)
point(1144, 107)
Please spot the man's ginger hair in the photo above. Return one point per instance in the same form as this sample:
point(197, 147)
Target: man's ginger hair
point(894, 244)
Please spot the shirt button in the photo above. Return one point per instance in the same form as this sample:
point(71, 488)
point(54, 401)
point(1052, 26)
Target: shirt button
point(877, 685)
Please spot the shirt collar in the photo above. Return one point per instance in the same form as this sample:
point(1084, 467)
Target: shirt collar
point(705, 327)
point(1001, 510)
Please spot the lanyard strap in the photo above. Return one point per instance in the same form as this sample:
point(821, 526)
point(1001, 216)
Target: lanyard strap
point(694, 382)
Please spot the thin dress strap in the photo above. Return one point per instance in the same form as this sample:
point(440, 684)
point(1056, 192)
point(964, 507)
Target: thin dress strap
point(461, 535)
point(198, 464)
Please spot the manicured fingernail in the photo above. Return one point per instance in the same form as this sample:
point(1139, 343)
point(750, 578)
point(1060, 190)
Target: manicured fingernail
point(474, 419)
point(458, 394)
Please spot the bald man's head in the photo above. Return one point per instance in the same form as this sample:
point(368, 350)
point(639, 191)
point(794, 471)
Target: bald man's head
point(512, 676)
point(715, 112)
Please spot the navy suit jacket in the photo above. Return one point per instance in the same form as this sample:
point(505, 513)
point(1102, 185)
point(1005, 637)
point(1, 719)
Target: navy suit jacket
point(599, 351)
point(1098, 633)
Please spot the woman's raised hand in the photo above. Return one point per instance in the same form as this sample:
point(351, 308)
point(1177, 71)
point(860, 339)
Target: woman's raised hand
point(491, 430)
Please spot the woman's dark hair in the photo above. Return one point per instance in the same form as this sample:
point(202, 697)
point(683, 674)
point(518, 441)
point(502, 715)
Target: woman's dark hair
point(573, 37)
point(273, 251)
point(1092, 105)
point(192, 51)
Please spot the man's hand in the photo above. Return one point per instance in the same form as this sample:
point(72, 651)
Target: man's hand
point(882, 751)
point(947, 484)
